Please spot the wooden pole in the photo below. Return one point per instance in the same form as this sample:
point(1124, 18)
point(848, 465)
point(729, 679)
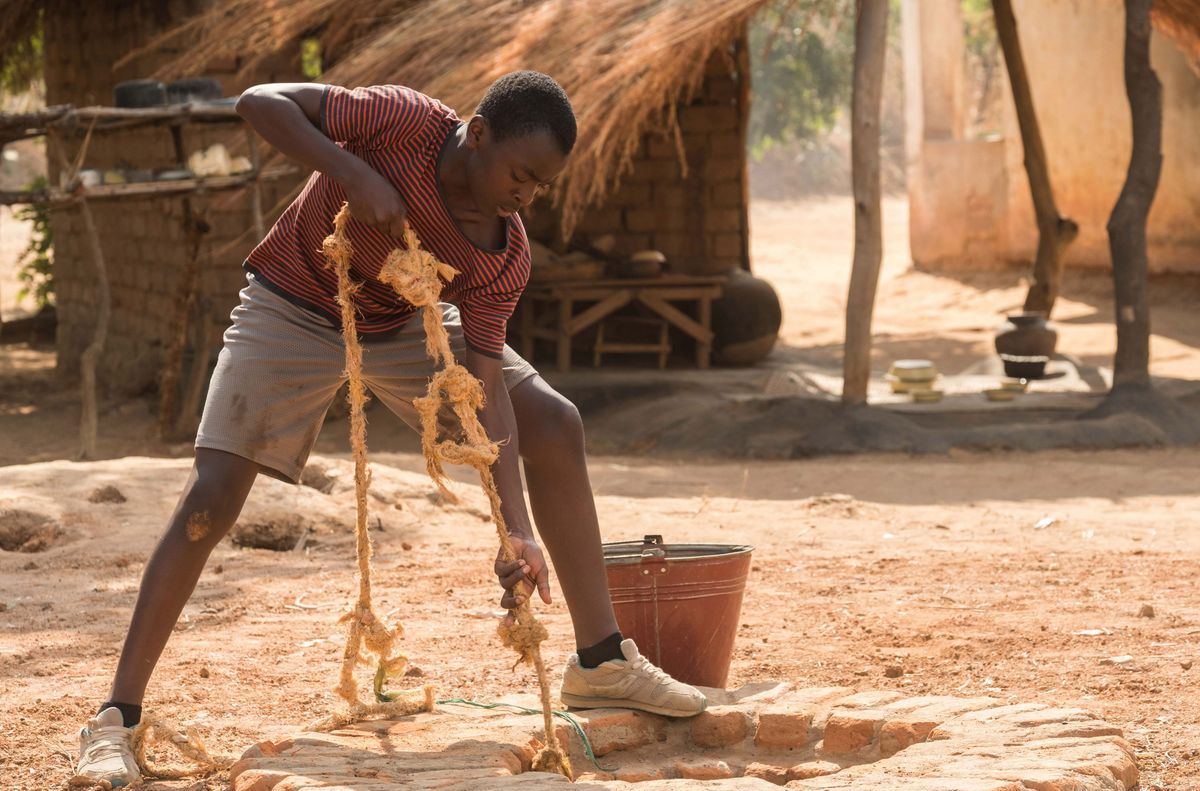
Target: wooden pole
point(90, 356)
point(870, 46)
point(1055, 232)
point(1127, 223)
point(741, 47)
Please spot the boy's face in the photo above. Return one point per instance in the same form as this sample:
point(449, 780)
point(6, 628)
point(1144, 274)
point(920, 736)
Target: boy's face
point(505, 176)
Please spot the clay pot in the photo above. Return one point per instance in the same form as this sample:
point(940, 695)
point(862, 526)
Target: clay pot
point(1025, 344)
point(745, 320)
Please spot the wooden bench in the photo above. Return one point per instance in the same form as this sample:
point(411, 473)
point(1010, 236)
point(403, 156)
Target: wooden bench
point(560, 311)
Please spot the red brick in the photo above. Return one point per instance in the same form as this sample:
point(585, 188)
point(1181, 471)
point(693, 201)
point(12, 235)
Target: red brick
point(640, 773)
point(780, 727)
point(719, 728)
point(641, 219)
point(897, 734)
point(672, 245)
point(708, 118)
point(621, 729)
point(668, 196)
point(725, 244)
point(727, 195)
point(661, 148)
point(727, 144)
point(810, 769)
point(702, 769)
point(723, 221)
point(721, 88)
point(631, 195)
point(723, 167)
point(654, 170)
point(850, 731)
point(769, 772)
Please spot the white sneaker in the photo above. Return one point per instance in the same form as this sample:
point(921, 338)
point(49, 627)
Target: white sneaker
point(106, 750)
point(629, 683)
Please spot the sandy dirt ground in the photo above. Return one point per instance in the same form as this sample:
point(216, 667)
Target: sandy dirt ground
point(936, 564)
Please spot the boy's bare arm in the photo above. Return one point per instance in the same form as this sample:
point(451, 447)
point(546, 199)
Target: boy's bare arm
point(288, 116)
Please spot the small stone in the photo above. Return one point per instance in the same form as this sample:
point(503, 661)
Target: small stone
point(204, 672)
point(219, 568)
point(407, 547)
point(893, 671)
point(703, 769)
point(414, 672)
point(1146, 611)
point(1186, 664)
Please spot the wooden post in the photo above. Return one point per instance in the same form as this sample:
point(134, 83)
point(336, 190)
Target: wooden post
point(90, 356)
point(1055, 232)
point(1127, 223)
point(870, 46)
point(741, 48)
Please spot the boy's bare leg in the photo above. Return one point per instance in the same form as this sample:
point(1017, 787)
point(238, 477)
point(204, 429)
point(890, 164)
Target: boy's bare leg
point(560, 495)
point(211, 501)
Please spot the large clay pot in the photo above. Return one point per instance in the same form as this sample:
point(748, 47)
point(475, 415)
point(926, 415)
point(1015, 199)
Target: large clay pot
point(745, 320)
point(1025, 344)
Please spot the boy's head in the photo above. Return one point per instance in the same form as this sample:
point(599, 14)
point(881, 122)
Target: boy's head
point(520, 137)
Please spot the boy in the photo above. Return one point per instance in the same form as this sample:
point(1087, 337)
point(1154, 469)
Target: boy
point(397, 157)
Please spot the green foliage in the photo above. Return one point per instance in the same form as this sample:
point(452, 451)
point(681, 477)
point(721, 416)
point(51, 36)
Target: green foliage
point(35, 265)
point(310, 58)
point(21, 66)
point(802, 55)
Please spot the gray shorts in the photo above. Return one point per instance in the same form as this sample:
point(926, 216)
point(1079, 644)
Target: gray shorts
point(282, 365)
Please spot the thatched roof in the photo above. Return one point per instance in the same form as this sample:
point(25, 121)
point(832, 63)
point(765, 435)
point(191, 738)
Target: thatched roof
point(624, 63)
point(1180, 19)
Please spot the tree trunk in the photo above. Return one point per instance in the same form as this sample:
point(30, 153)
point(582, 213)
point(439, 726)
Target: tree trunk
point(870, 46)
point(1055, 232)
point(1127, 223)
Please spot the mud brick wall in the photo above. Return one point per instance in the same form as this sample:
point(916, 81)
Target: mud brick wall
point(144, 240)
point(697, 220)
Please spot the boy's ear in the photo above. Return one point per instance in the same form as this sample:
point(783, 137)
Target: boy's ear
point(478, 132)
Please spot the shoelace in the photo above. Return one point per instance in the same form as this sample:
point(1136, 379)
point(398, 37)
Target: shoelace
point(658, 674)
point(108, 742)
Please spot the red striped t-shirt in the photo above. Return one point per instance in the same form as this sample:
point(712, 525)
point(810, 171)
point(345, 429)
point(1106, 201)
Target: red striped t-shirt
point(400, 133)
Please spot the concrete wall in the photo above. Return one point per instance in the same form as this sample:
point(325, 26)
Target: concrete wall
point(971, 208)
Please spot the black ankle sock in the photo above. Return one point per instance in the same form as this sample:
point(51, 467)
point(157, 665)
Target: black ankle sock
point(606, 649)
point(130, 713)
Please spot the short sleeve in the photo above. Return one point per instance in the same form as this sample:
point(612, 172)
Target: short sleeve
point(380, 116)
point(485, 311)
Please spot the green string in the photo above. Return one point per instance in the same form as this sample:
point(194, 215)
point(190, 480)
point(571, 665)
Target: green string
point(563, 715)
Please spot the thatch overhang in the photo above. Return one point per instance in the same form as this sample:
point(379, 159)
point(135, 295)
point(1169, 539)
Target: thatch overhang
point(626, 64)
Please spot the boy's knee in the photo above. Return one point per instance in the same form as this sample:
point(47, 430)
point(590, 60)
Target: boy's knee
point(558, 429)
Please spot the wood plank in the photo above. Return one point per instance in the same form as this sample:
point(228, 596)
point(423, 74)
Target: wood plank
point(676, 317)
point(610, 304)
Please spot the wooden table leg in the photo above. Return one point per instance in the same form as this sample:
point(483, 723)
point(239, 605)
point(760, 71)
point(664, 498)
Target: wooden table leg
point(704, 348)
point(565, 308)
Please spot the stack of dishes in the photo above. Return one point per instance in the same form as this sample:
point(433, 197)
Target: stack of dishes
point(916, 377)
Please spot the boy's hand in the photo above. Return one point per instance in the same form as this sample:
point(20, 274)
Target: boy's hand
point(529, 567)
point(375, 202)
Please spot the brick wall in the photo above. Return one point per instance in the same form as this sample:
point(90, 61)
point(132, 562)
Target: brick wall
point(144, 241)
point(698, 221)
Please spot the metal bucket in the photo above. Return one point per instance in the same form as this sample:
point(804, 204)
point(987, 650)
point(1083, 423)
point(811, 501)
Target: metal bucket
point(680, 603)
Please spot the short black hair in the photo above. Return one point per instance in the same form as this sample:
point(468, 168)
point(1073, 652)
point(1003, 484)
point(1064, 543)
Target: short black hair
point(522, 102)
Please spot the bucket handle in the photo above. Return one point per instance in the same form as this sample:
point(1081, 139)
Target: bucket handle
point(653, 548)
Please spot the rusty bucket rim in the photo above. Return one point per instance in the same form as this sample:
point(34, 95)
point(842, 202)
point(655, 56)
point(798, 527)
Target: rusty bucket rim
point(707, 551)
